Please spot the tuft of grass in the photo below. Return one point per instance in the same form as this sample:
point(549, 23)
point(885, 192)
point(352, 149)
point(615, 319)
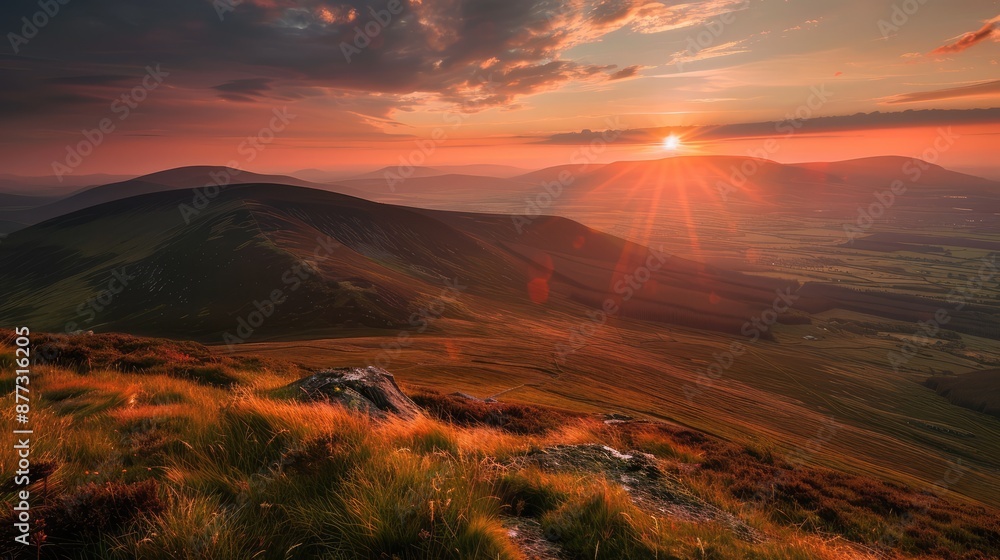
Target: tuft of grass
point(167, 397)
point(529, 493)
point(429, 437)
point(405, 505)
point(191, 528)
point(603, 525)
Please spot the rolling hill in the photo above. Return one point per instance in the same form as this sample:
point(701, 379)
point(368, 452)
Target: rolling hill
point(190, 177)
point(51, 185)
point(198, 279)
point(480, 170)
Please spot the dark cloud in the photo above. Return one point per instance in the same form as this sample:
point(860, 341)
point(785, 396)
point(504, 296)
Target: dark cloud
point(449, 48)
point(32, 97)
point(970, 39)
point(247, 89)
point(92, 80)
point(878, 119)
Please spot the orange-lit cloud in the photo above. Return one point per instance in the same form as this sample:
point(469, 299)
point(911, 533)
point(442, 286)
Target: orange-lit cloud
point(990, 29)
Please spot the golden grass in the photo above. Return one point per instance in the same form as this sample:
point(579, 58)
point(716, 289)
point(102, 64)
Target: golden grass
point(243, 473)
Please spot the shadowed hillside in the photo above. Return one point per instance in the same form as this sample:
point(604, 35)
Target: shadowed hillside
point(351, 263)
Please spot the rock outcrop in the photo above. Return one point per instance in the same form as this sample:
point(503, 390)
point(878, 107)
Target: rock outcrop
point(370, 389)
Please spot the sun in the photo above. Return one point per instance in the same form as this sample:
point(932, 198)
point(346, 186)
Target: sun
point(672, 142)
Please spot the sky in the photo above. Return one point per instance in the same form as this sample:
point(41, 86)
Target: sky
point(283, 85)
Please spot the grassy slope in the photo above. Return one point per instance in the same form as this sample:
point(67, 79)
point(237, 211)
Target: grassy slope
point(168, 451)
point(886, 423)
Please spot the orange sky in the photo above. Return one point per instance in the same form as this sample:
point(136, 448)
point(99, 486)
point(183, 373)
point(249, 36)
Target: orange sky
point(478, 81)
point(973, 151)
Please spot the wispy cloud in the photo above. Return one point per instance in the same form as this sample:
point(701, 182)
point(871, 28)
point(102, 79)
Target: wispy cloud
point(714, 51)
point(243, 90)
point(991, 88)
point(808, 24)
point(628, 72)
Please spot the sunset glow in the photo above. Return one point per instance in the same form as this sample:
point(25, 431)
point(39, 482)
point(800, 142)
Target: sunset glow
point(500, 279)
point(538, 78)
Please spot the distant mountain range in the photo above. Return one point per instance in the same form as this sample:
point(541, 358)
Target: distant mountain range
point(408, 171)
point(752, 185)
point(742, 184)
point(141, 264)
